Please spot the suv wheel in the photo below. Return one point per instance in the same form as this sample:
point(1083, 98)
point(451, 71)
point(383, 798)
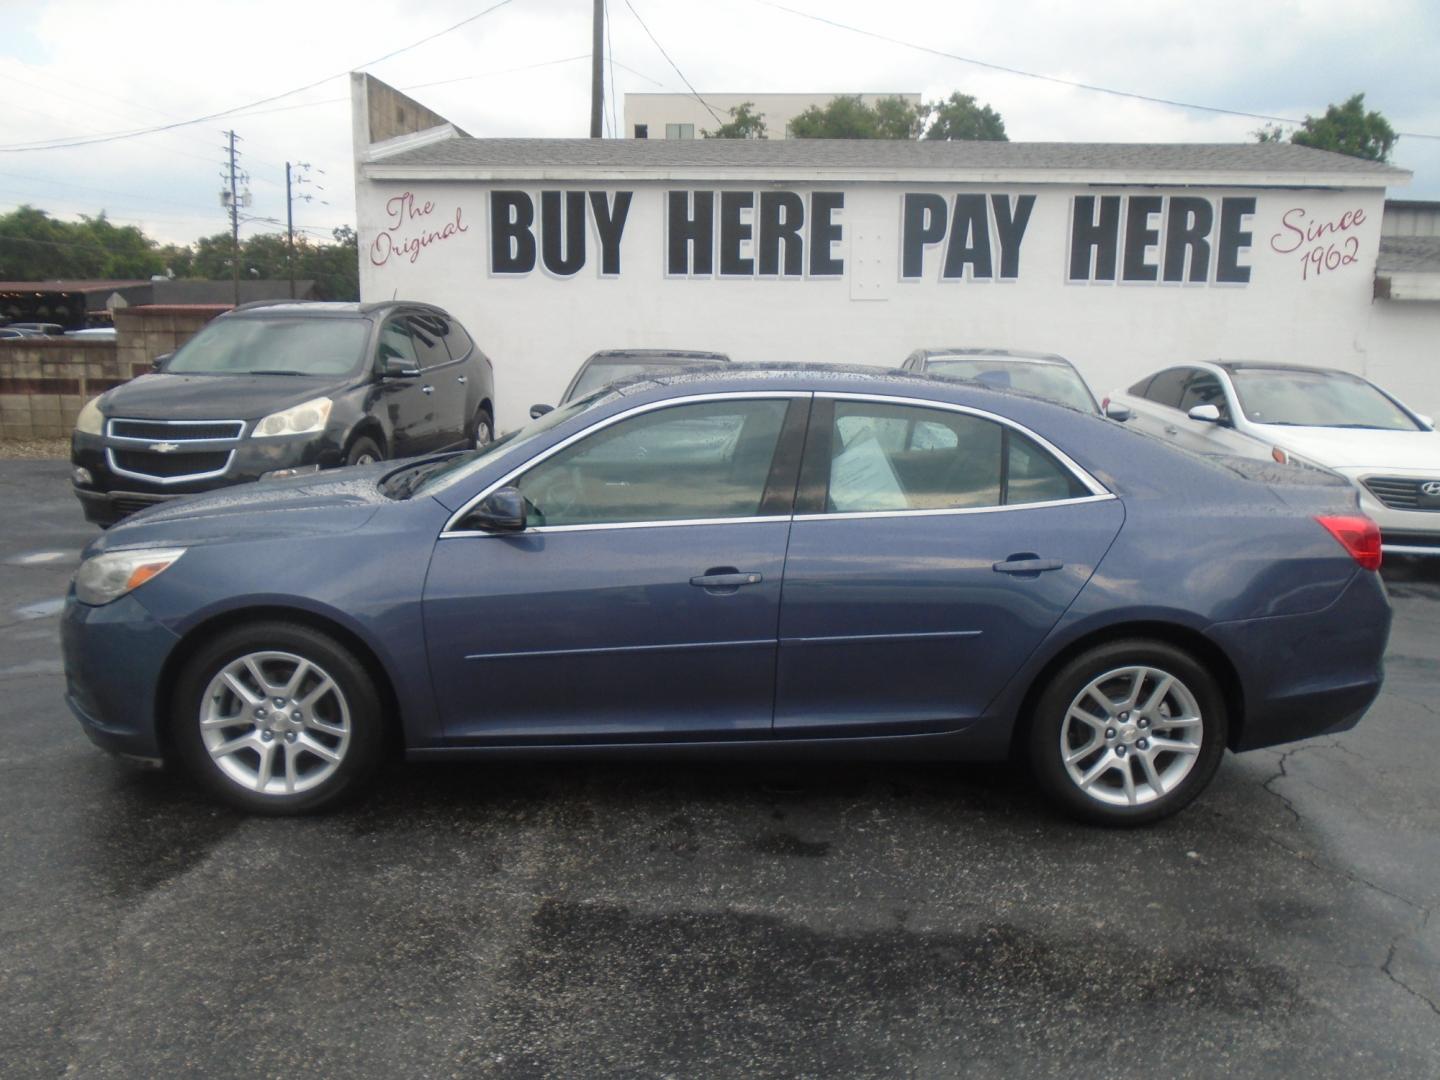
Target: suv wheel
point(483, 431)
point(364, 451)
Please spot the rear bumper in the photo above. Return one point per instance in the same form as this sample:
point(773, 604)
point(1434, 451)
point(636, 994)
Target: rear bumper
point(1313, 674)
point(113, 658)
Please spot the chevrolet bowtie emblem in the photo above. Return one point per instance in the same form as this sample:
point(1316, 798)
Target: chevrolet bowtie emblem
point(164, 447)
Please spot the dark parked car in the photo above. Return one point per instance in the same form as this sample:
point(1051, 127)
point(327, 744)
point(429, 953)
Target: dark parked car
point(966, 574)
point(1042, 374)
point(614, 365)
point(278, 388)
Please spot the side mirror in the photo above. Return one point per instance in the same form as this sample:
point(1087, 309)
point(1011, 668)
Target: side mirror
point(537, 411)
point(158, 364)
point(1115, 411)
point(397, 367)
point(500, 511)
point(1206, 414)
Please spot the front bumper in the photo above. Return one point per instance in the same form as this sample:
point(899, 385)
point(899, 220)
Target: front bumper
point(1402, 532)
point(110, 496)
point(113, 658)
point(1311, 674)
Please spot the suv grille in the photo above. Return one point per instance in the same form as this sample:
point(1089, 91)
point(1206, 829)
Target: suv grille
point(171, 451)
point(1400, 492)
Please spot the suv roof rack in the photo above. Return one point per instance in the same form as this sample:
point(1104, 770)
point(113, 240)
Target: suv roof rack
point(268, 303)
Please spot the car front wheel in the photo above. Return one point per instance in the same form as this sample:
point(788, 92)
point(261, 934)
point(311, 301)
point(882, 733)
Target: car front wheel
point(484, 430)
point(1128, 733)
point(277, 718)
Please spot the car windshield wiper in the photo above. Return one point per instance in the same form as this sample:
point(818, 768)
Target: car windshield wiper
point(401, 484)
point(275, 371)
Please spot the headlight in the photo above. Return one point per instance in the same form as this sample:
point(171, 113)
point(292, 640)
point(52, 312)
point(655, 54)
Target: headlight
point(90, 421)
point(110, 576)
point(304, 419)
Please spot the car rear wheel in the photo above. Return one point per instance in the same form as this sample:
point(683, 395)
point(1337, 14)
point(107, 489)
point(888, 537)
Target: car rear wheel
point(364, 451)
point(1128, 733)
point(277, 718)
point(483, 432)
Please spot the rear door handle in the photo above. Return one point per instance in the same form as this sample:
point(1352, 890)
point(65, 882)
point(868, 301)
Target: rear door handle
point(1029, 565)
point(461, 379)
point(730, 580)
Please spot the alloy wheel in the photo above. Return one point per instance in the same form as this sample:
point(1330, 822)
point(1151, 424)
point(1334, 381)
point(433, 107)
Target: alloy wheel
point(1131, 735)
point(275, 723)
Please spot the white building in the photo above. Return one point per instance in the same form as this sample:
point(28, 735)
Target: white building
point(1123, 257)
point(684, 116)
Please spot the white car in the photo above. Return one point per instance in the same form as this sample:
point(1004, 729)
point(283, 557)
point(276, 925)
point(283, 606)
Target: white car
point(1304, 416)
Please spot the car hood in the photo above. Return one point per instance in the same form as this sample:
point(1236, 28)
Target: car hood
point(324, 504)
point(165, 396)
point(1358, 448)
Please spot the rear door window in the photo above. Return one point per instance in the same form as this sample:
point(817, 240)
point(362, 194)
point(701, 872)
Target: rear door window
point(886, 457)
point(428, 330)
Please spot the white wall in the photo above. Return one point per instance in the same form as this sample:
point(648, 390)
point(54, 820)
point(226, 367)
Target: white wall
point(538, 328)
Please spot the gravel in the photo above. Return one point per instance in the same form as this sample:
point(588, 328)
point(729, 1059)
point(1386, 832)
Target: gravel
point(34, 449)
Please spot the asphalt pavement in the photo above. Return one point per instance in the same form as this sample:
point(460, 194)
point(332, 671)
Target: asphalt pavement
point(644, 920)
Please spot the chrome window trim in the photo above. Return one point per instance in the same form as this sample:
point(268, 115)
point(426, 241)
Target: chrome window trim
point(856, 515)
point(166, 480)
point(1094, 486)
point(451, 532)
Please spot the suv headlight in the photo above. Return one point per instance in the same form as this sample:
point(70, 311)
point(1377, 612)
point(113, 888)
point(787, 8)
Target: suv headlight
point(304, 419)
point(107, 577)
point(90, 421)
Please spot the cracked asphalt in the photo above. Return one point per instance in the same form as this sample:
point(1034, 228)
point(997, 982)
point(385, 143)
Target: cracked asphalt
point(662, 920)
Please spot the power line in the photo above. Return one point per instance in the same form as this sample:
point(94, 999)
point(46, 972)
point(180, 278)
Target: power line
point(1045, 78)
point(113, 136)
point(672, 63)
point(610, 59)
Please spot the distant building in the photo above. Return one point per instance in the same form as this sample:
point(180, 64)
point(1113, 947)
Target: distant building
point(683, 116)
point(78, 304)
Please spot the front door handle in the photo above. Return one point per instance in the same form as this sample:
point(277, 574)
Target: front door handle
point(1027, 565)
point(427, 389)
point(461, 379)
point(1171, 429)
point(729, 579)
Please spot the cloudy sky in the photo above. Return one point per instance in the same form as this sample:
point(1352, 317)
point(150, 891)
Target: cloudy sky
point(71, 69)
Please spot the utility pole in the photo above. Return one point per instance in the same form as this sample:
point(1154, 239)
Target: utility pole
point(234, 219)
point(597, 71)
point(301, 172)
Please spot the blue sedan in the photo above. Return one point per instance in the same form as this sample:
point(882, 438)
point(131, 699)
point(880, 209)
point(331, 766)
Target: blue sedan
point(779, 561)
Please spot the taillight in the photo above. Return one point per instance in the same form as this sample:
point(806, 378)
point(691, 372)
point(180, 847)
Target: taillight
point(1357, 534)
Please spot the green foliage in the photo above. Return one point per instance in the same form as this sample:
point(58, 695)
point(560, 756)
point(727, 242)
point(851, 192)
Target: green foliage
point(1348, 129)
point(36, 247)
point(1269, 133)
point(744, 123)
point(848, 117)
point(961, 117)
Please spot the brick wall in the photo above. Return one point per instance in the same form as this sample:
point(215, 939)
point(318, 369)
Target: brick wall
point(44, 382)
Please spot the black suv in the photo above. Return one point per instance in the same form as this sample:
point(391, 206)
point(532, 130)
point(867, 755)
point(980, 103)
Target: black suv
point(283, 388)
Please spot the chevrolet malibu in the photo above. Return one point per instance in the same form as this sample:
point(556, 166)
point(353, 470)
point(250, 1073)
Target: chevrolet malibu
point(745, 561)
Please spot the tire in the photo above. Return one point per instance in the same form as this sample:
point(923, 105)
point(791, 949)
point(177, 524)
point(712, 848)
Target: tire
point(1105, 743)
point(322, 743)
point(482, 431)
point(364, 451)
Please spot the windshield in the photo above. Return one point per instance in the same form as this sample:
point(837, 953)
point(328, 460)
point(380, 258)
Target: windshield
point(1054, 382)
point(428, 477)
point(274, 347)
point(1316, 399)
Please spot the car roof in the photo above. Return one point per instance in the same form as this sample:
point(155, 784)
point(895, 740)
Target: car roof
point(328, 309)
point(1272, 365)
point(998, 354)
point(656, 356)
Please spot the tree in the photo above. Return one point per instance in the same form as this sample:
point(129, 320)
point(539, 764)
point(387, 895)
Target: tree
point(744, 123)
point(848, 117)
point(37, 247)
point(1348, 129)
point(962, 117)
point(1269, 133)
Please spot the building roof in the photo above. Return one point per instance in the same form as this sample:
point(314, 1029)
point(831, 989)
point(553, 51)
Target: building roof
point(78, 286)
point(1415, 254)
point(197, 291)
point(998, 160)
